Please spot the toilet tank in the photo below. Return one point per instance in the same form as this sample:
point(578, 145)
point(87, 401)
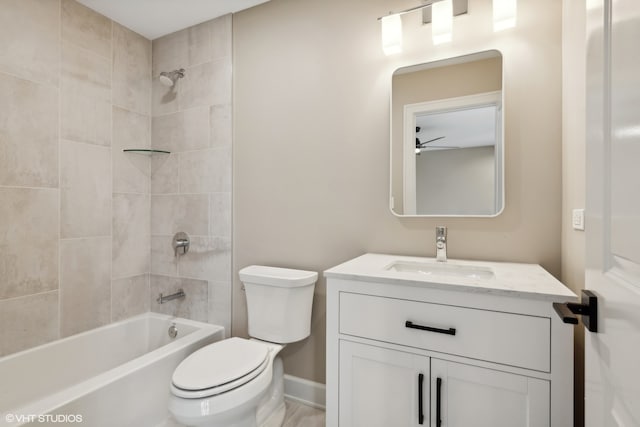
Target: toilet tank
point(279, 302)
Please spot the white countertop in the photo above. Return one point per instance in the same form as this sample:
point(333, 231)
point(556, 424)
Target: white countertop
point(509, 279)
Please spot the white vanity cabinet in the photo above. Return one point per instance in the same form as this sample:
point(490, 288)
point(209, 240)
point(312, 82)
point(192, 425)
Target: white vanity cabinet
point(405, 350)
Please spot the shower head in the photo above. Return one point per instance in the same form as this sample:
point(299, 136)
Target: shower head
point(169, 78)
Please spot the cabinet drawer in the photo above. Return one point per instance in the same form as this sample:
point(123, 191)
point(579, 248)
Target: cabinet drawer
point(506, 338)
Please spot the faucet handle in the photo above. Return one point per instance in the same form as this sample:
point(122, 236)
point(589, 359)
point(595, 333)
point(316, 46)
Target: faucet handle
point(441, 232)
point(181, 240)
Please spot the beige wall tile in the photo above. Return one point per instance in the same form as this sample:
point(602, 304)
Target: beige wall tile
point(197, 128)
point(28, 241)
point(168, 131)
point(164, 174)
point(196, 89)
point(131, 244)
point(30, 39)
point(28, 321)
point(28, 133)
point(163, 259)
point(164, 99)
point(170, 52)
point(222, 82)
point(131, 70)
point(85, 194)
point(199, 43)
point(221, 32)
point(220, 305)
point(194, 306)
point(185, 48)
point(86, 28)
point(85, 284)
point(129, 297)
point(206, 171)
point(85, 95)
point(221, 125)
point(131, 171)
point(220, 214)
point(181, 212)
point(182, 131)
point(209, 258)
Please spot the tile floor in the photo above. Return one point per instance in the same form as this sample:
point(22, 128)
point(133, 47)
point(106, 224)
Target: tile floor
point(297, 415)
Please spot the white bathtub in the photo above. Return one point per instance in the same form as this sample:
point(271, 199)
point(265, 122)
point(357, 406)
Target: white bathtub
point(114, 376)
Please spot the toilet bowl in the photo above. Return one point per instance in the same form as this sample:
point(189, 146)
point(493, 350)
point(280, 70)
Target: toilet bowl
point(238, 382)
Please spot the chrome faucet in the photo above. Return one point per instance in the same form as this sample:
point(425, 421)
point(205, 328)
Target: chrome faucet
point(441, 244)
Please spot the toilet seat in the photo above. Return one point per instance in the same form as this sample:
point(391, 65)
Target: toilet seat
point(219, 367)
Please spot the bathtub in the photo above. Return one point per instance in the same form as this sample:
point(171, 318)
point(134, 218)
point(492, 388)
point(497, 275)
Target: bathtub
point(114, 376)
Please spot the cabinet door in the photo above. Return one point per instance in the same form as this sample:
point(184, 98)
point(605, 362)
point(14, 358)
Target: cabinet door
point(381, 387)
point(479, 397)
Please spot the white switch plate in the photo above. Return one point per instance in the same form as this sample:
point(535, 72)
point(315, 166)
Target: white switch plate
point(577, 219)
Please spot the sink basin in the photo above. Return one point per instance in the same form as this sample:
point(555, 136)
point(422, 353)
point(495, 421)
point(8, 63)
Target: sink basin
point(442, 269)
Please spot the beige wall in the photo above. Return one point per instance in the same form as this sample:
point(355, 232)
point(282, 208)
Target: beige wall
point(191, 187)
point(74, 209)
point(311, 143)
point(573, 169)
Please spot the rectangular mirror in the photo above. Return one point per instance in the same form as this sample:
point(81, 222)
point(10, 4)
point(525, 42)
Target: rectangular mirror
point(447, 137)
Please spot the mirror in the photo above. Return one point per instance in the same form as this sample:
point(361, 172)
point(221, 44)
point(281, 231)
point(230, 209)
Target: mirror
point(447, 137)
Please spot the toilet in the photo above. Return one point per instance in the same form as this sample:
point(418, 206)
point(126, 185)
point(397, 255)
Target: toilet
point(238, 382)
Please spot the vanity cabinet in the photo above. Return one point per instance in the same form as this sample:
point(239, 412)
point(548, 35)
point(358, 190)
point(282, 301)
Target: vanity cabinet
point(405, 351)
point(475, 397)
point(375, 378)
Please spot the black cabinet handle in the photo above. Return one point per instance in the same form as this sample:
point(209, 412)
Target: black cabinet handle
point(438, 402)
point(450, 331)
point(420, 407)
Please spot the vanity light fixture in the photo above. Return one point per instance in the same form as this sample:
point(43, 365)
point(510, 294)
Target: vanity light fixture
point(391, 34)
point(438, 12)
point(504, 14)
point(442, 17)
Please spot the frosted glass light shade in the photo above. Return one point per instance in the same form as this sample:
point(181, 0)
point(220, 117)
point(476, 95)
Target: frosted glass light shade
point(504, 14)
point(442, 21)
point(391, 34)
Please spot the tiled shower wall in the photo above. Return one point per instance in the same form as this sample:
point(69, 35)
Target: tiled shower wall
point(191, 187)
point(75, 220)
point(75, 89)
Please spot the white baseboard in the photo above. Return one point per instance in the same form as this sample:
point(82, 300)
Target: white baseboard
point(307, 392)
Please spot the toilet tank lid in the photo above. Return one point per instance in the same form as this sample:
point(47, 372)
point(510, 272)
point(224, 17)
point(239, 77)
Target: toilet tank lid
point(276, 276)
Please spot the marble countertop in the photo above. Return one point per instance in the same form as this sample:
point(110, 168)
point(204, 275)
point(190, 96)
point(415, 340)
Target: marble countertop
point(508, 279)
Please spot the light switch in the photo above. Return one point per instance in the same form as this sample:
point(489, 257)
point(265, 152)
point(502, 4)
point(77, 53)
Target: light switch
point(577, 219)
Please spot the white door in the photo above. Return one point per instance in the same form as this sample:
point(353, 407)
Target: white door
point(381, 387)
point(612, 365)
point(464, 396)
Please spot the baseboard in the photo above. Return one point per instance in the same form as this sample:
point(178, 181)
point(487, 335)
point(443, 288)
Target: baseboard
point(307, 392)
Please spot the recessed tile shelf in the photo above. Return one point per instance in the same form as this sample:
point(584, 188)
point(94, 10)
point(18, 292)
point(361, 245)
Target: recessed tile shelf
point(146, 151)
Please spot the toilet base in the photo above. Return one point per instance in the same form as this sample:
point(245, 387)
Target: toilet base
point(265, 410)
point(271, 409)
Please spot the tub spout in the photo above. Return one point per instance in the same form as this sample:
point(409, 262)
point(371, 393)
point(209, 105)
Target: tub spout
point(164, 298)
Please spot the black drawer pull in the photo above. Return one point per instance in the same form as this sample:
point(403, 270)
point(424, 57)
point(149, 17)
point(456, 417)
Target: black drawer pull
point(450, 331)
point(438, 402)
point(420, 407)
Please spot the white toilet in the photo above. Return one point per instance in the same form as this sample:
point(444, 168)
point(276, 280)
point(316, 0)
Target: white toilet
point(238, 382)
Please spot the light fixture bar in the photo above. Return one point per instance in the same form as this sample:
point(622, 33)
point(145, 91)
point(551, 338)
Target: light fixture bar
point(459, 7)
point(413, 9)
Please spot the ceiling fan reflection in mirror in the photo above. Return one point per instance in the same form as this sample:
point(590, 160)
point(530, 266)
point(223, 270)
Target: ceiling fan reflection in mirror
point(422, 145)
